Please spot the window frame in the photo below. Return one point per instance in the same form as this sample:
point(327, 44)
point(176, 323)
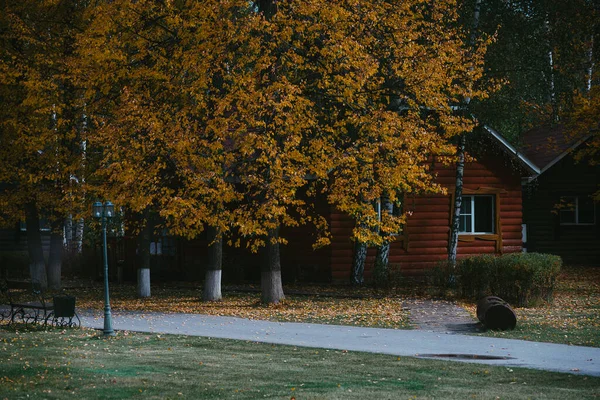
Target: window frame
point(473, 213)
point(493, 237)
point(44, 226)
point(575, 209)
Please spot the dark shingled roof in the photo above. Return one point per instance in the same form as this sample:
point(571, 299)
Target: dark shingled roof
point(545, 144)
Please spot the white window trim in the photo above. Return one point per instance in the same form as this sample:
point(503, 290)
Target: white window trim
point(43, 228)
point(472, 214)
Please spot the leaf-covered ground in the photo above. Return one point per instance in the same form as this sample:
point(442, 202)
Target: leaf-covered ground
point(317, 304)
point(572, 318)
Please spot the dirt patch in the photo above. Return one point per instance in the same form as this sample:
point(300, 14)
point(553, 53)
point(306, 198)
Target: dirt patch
point(440, 316)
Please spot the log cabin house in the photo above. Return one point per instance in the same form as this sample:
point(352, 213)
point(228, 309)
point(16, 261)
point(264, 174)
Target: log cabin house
point(560, 214)
point(491, 219)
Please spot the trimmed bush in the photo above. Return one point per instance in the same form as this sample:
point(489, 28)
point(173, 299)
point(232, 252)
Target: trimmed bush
point(475, 275)
point(527, 278)
point(522, 279)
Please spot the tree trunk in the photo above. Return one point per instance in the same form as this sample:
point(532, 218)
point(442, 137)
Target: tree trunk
point(590, 68)
point(358, 265)
point(551, 84)
point(143, 273)
point(212, 281)
point(37, 265)
point(68, 232)
point(460, 164)
point(381, 270)
point(55, 258)
point(270, 276)
point(143, 279)
point(460, 168)
point(79, 235)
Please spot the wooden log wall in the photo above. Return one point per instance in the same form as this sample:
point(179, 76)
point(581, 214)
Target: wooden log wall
point(426, 238)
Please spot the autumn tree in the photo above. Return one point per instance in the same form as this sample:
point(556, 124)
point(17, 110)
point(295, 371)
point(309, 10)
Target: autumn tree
point(357, 95)
point(155, 75)
point(389, 108)
point(40, 127)
point(220, 113)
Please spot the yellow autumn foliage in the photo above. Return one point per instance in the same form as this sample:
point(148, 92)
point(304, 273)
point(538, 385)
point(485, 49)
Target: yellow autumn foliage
point(236, 116)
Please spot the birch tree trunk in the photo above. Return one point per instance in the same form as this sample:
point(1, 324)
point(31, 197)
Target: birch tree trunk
point(590, 68)
point(79, 227)
point(143, 272)
point(460, 164)
point(55, 258)
point(270, 276)
point(551, 84)
point(68, 238)
point(357, 277)
point(381, 270)
point(212, 280)
point(37, 265)
point(460, 168)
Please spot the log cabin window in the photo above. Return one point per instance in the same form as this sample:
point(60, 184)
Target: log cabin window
point(44, 225)
point(577, 210)
point(477, 214)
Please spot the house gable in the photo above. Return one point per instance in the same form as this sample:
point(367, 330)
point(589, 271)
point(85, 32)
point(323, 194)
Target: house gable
point(559, 213)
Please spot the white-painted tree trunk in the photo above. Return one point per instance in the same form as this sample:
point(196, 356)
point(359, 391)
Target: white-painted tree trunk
point(143, 281)
point(143, 274)
point(212, 286)
point(212, 281)
point(270, 276)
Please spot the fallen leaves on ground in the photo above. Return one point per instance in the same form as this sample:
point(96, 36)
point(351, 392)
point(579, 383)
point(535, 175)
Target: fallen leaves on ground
point(574, 315)
point(334, 306)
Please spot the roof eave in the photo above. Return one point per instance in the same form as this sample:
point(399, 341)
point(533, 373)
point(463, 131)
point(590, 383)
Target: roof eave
point(527, 163)
point(564, 154)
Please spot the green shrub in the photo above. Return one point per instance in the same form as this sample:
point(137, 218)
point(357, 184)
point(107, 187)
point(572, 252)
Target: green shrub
point(442, 277)
point(523, 279)
point(527, 278)
point(475, 275)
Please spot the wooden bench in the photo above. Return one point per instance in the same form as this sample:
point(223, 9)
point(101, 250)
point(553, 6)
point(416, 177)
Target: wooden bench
point(29, 304)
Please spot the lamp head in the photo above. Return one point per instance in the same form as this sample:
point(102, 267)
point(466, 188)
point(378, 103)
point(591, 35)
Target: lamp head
point(109, 209)
point(97, 210)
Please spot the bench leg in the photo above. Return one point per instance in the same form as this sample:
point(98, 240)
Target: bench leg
point(14, 311)
point(67, 322)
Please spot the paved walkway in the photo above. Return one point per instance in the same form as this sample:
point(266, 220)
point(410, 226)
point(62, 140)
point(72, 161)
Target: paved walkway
point(416, 343)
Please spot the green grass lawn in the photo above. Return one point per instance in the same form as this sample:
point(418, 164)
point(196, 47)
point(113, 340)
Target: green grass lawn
point(57, 364)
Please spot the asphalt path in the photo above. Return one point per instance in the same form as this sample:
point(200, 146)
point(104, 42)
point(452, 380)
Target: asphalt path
point(415, 343)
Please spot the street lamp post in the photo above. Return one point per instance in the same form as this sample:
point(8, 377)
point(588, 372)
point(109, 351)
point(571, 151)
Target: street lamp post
point(104, 212)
